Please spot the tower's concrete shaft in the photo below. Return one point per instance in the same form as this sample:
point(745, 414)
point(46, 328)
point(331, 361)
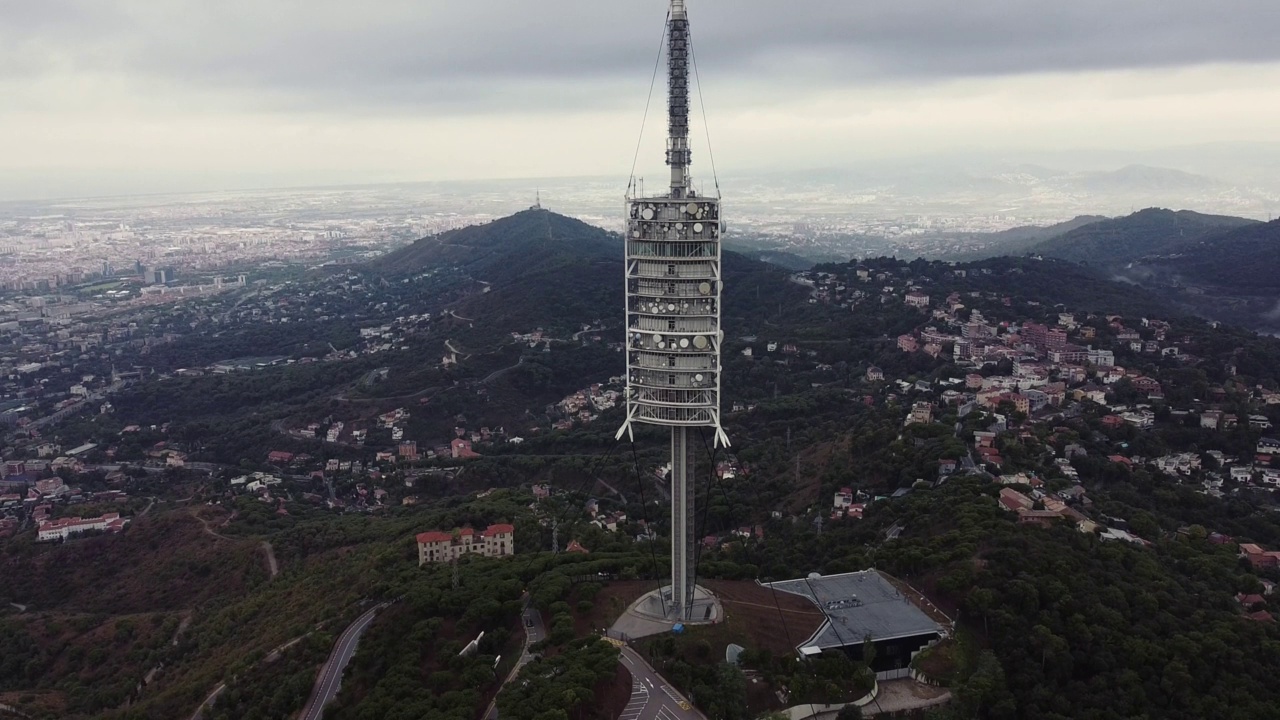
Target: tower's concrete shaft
point(682, 539)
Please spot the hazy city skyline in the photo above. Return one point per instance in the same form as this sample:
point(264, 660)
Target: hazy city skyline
point(121, 97)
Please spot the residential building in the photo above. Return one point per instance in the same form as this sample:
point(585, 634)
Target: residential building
point(917, 299)
point(62, 528)
point(843, 498)
point(1258, 558)
point(460, 448)
point(436, 546)
point(921, 412)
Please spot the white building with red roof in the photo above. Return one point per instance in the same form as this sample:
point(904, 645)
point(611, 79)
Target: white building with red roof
point(62, 528)
point(436, 546)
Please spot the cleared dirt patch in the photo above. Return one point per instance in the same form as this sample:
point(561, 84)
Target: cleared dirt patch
point(608, 605)
point(775, 621)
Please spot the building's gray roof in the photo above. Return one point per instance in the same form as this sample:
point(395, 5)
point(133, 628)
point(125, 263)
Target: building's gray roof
point(859, 604)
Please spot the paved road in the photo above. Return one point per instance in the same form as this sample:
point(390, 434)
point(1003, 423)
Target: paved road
point(651, 697)
point(534, 631)
point(971, 467)
point(613, 490)
point(330, 678)
point(209, 701)
point(578, 335)
point(498, 373)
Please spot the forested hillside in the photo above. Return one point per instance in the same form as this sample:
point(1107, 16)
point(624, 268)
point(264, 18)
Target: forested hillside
point(1154, 231)
point(274, 525)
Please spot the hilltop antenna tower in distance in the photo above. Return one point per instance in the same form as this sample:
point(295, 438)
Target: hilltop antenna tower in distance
point(673, 285)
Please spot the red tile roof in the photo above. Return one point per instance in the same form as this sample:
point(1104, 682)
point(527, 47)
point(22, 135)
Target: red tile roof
point(434, 536)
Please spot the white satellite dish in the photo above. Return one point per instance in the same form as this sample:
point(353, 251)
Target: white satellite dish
point(684, 342)
point(698, 377)
point(700, 342)
point(657, 338)
point(662, 346)
point(671, 307)
point(697, 227)
point(636, 233)
point(647, 213)
point(704, 288)
point(691, 208)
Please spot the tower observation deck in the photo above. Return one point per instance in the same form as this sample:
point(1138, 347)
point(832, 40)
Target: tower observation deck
point(673, 285)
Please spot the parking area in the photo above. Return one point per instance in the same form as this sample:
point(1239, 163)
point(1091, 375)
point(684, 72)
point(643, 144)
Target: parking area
point(639, 699)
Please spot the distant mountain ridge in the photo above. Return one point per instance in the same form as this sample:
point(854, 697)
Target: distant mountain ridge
point(1153, 231)
point(1140, 178)
point(994, 186)
point(1220, 267)
point(1018, 240)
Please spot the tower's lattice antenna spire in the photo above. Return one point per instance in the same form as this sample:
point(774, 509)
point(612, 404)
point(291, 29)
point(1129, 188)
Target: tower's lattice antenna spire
point(679, 155)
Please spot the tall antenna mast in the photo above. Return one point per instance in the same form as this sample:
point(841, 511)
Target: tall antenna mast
point(679, 155)
point(673, 317)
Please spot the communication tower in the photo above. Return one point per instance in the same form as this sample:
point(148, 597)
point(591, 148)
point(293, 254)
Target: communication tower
point(673, 286)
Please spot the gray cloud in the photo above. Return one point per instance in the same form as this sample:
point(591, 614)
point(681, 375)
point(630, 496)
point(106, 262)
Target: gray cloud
point(517, 55)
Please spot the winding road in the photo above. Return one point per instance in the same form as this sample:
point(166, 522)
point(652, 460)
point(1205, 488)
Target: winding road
point(330, 678)
point(651, 697)
point(502, 371)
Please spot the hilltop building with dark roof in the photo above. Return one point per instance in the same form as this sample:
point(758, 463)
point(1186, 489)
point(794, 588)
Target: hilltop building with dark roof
point(863, 607)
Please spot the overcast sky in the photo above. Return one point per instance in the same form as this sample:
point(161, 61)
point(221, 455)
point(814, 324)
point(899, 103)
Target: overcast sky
point(107, 96)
